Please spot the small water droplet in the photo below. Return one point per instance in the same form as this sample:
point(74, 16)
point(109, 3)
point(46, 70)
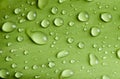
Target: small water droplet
point(20, 38)
point(67, 73)
point(54, 10)
point(26, 67)
point(58, 22)
point(20, 30)
point(70, 40)
point(42, 3)
point(51, 64)
point(17, 11)
point(31, 15)
point(81, 45)
point(18, 74)
point(1, 51)
point(35, 67)
point(25, 52)
point(62, 54)
point(105, 77)
point(4, 73)
point(8, 27)
point(6, 17)
point(45, 23)
point(38, 37)
point(72, 61)
point(95, 31)
point(22, 20)
point(63, 12)
point(61, 1)
point(93, 59)
point(7, 36)
point(118, 53)
point(14, 65)
point(89, 0)
point(71, 23)
point(8, 58)
point(83, 16)
point(106, 17)
point(37, 76)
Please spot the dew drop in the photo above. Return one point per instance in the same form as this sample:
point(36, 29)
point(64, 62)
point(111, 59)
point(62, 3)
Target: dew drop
point(8, 58)
point(22, 20)
point(20, 30)
point(95, 31)
point(35, 67)
point(25, 52)
point(81, 45)
point(62, 54)
point(51, 64)
point(7, 36)
point(38, 37)
point(17, 11)
point(20, 38)
point(42, 3)
point(106, 17)
point(14, 65)
point(67, 73)
point(93, 59)
point(31, 15)
point(18, 74)
point(89, 0)
point(54, 10)
point(118, 53)
point(71, 23)
point(45, 23)
point(4, 73)
point(83, 16)
point(61, 1)
point(70, 40)
point(8, 27)
point(58, 22)
point(105, 77)
point(63, 12)
point(37, 76)
point(1, 51)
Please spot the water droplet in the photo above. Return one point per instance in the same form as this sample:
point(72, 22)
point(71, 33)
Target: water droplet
point(42, 3)
point(54, 10)
point(58, 22)
point(6, 17)
point(61, 1)
point(118, 53)
point(14, 65)
point(1, 51)
point(45, 23)
point(20, 38)
point(72, 61)
point(37, 76)
point(38, 37)
point(70, 40)
point(4, 73)
point(71, 23)
point(83, 16)
point(63, 12)
point(67, 73)
point(18, 74)
point(89, 0)
point(31, 15)
point(106, 17)
point(22, 20)
point(26, 67)
point(7, 36)
point(8, 58)
point(25, 52)
point(81, 45)
point(35, 67)
point(93, 59)
point(105, 77)
point(8, 27)
point(51, 64)
point(17, 11)
point(95, 31)
point(20, 30)
point(62, 54)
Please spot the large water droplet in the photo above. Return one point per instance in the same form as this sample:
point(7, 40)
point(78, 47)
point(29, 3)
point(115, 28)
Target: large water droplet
point(58, 22)
point(81, 45)
point(18, 74)
point(51, 64)
point(106, 17)
point(38, 37)
point(54, 10)
point(42, 3)
point(8, 27)
point(4, 73)
point(93, 59)
point(95, 31)
point(45, 23)
point(67, 73)
point(17, 11)
point(105, 77)
point(83, 16)
point(62, 54)
point(31, 15)
point(118, 53)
